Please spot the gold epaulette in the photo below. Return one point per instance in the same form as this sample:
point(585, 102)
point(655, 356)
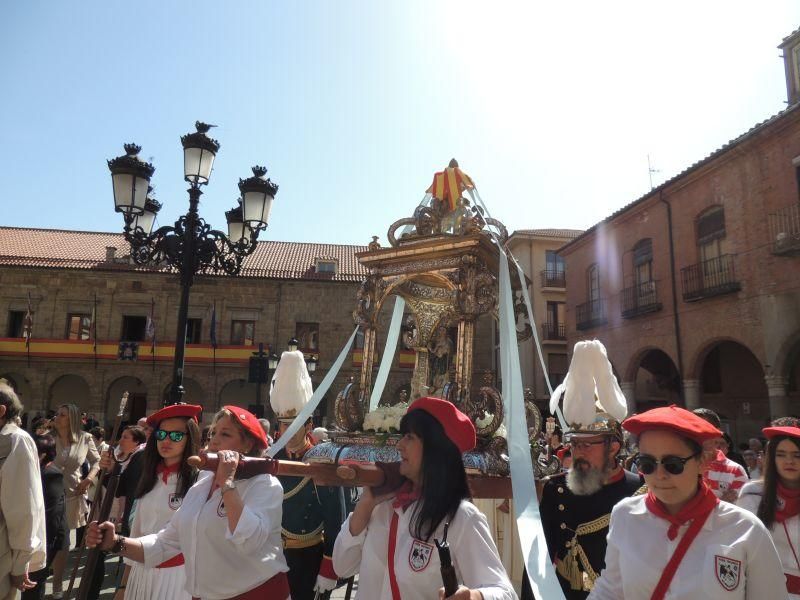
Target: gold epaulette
point(296, 489)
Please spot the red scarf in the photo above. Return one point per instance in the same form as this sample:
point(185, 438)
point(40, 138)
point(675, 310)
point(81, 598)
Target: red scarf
point(405, 496)
point(788, 503)
point(703, 503)
point(165, 471)
point(697, 511)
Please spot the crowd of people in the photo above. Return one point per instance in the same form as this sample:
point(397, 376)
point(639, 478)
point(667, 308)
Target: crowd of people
point(655, 505)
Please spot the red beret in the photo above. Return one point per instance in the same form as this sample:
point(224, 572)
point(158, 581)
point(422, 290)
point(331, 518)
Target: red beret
point(457, 426)
point(249, 421)
point(772, 432)
point(190, 411)
point(673, 418)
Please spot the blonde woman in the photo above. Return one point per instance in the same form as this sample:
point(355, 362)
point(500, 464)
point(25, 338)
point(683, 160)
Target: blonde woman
point(73, 447)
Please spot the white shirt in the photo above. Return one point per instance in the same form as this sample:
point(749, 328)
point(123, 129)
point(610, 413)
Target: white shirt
point(22, 534)
point(152, 512)
point(416, 563)
point(221, 564)
point(749, 499)
point(732, 557)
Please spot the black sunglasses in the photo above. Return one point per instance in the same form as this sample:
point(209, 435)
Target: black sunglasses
point(673, 465)
point(175, 436)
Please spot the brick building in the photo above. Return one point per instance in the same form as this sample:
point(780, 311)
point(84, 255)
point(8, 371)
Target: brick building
point(695, 287)
point(285, 290)
point(536, 251)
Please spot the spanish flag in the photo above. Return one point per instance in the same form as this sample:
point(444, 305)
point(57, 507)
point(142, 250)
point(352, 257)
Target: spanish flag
point(449, 184)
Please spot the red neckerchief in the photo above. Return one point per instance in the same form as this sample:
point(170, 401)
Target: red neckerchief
point(165, 471)
point(703, 502)
point(616, 477)
point(697, 511)
point(790, 507)
point(405, 496)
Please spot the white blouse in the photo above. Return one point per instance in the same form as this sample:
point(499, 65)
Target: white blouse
point(732, 557)
point(416, 562)
point(787, 545)
point(221, 564)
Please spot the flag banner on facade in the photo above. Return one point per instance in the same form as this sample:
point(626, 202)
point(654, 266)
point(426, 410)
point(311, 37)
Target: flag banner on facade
point(150, 331)
point(27, 324)
point(93, 330)
point(213, 336)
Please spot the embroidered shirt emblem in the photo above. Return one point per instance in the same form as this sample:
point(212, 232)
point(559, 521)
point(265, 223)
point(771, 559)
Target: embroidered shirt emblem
point(420, 555)
point(728, 571)
point(175, 501)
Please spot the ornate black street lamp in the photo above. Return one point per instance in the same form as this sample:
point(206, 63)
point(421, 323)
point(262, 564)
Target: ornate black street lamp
point(190, 245)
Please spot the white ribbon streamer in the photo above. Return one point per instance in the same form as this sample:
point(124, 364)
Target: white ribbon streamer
point(541, 575)
point(310, 407)
point(388, 352)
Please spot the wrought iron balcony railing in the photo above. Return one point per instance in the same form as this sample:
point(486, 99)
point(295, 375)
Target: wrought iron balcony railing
point(784, 230)
point(554, 278)
point(640, 299)
point(554, 331)
point(712, 277)
point(591, 314)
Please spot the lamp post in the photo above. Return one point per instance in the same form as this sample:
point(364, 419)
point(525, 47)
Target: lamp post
point(190, 245)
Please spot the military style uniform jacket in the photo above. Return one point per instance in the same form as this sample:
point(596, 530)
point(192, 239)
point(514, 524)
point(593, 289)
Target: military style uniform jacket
point(312, 517)
point(576, 527)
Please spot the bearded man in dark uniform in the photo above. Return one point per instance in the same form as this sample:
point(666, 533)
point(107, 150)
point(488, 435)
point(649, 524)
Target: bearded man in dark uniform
point(575, 506)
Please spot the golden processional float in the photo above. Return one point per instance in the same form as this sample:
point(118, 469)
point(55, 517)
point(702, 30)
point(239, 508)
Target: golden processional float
point(443, 263)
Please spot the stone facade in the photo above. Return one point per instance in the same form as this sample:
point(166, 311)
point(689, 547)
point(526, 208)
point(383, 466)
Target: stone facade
point(275, 305)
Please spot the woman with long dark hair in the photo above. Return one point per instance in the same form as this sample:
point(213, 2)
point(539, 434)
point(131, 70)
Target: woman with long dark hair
point(389, 539)
point(776, 499)
point(228, 529)
point(165, 478)
point(679, 540)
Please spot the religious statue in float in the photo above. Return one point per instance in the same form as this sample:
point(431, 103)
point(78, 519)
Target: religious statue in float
point(443, 262)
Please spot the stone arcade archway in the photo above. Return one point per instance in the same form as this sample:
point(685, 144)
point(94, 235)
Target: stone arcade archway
point(70, 389)
point(137, 398)
point(732, 383)
point(20, 384)
point(193, 394)
point(655, 380)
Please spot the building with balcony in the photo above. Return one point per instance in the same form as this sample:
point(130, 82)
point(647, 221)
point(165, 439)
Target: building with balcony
point(694, 288)
point(103, 326)
point(536, 251)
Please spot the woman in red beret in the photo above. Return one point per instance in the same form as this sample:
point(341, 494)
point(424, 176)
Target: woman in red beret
point(679, 541)
point(228, 530)
point(389, 539)
point(776, 499)
point(165, 478)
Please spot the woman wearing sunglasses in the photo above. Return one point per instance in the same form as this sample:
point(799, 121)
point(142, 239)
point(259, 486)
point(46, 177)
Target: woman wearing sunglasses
point(228, 530)
point(776, 499)
point(679, 540)
point(165, 479)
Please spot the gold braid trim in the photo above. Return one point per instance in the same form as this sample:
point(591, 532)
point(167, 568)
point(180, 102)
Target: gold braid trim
point(296, 489)
point(583, 577)
point(302, 540)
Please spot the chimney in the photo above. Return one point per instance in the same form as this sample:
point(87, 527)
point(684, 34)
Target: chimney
point(111, 254)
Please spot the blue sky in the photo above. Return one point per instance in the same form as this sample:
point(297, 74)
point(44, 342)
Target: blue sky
point(352, 105)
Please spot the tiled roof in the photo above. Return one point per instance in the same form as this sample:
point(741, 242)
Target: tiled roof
point(551, 233)
point(59, 249)
point(702, 162)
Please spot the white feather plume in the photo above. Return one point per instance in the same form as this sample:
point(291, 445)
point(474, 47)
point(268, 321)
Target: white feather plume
point(609, 394)
point(590, 380)
point(291, 385)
